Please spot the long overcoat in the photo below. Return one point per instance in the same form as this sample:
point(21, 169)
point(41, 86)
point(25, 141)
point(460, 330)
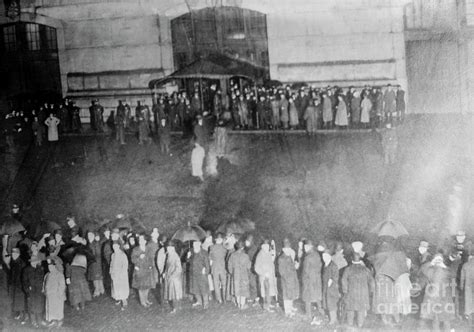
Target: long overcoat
point(288, 277)
point(55, 291)
point(78, 289)
point(438, 300)
point(467, 286)
point(327, 109)
point(330, 293)
point(199, 283)
point(143, 262)
point(265, 268)
point(5, 303)
point(119, 275)
point(16, 288)
point(356, 284)
point(294, 121)
point(311, 277)
point(366, 107)
point(355, 109)
point(94, 270)
point(152, 247)
point(341, 114)
point(52, 124)
point(33, 287)
point(173, 277)
point(311, 117)
point(239, 267)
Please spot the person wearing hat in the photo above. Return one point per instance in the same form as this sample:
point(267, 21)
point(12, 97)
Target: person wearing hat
point(143, 260)
point(120, 287)
point(197, 161)
point(76, 281)
point(17, 264)
point(164, 135)
point(265, 269)
point(357, 285)
point(467, 287)
point(288, 278)
point(94, 270)
point(199, 269)
point(172, 276)
point(389, 140)
point(217, 254)
point(54, 290)
point(330, 279)
point(16, 214)
point(239, 267)
point(438, 305)
point(327, 106)
point(311, 281)
point(32, 280)
point(120, 122)
point(92, 115)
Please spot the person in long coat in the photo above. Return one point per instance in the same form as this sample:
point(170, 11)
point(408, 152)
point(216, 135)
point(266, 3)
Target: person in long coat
point(119, 275)
point(355, 108)
point(217, 254)
point(38, 131)
point(164, 134)
point(467, 286)
point(143, 261)
point(341, 114)
point(366, 108)
point(275, 106)
point(54, 289)
point(294, 121)
point(78, 287)
point(311, 278)
point(311, 117)
point(330, 278)
point(357, 285)
point(52, 122)
point(265, 268)
point(94, 270)
point(32, 279)
point(16, 289)
point(239, 267)
point(284, 115)
point(288, 278)
point(327, 111)
point(438, 305)
point(199, 269)
point(173, 275)
point(197, 160)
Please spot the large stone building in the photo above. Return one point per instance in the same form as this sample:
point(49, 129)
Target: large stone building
point(110, 49)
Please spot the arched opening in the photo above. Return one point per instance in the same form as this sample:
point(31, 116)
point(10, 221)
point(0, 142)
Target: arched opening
point(233, 31)
point(29, 63)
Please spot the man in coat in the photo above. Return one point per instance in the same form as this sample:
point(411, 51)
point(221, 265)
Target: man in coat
point(356, 285)
point(17, 265)
point(164, 134)
point(467, 287)
point(199, 269)
point(239, 268)
point(217, 254)
point(389, 104)
point(32, 280)
point(120, 122)
point(311, 279)
point(5, 303)
point(172, 275)
point(265, 268)
point(143, 261)
point(288, 278)
point(92, 109)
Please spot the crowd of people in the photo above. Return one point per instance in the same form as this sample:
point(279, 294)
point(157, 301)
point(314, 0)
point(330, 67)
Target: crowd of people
point(337, 283)
point(248, 107)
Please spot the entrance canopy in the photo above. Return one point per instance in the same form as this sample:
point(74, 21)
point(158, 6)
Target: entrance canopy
point(216, 66)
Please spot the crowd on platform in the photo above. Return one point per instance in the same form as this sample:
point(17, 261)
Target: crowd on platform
point(338, 283)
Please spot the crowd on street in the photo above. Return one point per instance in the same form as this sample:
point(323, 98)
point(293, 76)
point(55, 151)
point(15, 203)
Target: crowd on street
point(337, 283)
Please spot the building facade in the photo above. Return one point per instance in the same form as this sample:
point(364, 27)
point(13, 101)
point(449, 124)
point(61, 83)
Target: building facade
point(111, 49)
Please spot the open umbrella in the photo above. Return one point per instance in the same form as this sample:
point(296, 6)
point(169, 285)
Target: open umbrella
point(11, 226)
point(36, 230)
point(189, 233)
point(122, 223)
point(391, 228)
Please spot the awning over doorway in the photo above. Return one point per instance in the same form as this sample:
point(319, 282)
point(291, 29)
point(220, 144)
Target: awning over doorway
point(216, 66)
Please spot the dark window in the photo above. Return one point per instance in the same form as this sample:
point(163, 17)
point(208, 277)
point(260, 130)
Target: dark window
point(9, 38)
point(32, 36)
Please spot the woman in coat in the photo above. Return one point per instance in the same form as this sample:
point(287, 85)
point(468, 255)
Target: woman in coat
point(341, 114)
point(143, 262)
point(173, 274)
point(284, 116)
point(288, 278)
point(78, 287)
point(327, 111)
point(94, 270)
point(52, 122)
point(54, 289)
point(265, 268)
point(330, 279)
point(33, 276)
point(294, 122)
point(366, 107)
point(357, 284)
point(119, 275)
point(239, 266)
point(355, 109)
point(311, 117)
point(311, 278)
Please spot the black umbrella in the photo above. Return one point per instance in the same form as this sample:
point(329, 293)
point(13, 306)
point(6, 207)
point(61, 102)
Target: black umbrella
point(189, 233)
point(11, 226)
point(36, 230)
